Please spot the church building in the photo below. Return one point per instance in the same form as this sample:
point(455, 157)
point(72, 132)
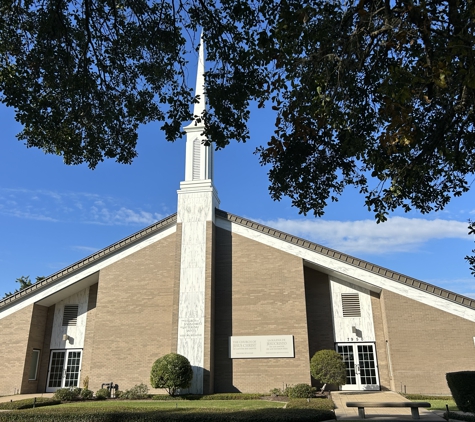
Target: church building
point(248, 305)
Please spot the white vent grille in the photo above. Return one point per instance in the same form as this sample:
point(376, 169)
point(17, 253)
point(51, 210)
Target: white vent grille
point(351, 305)
point(70, 315)
point(196, 159)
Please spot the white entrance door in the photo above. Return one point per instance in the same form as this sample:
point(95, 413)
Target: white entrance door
point(64, 369)
point(361, 366)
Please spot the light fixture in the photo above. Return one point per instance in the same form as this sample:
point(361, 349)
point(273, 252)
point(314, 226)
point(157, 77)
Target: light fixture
point(65, 337)
point(353, 329)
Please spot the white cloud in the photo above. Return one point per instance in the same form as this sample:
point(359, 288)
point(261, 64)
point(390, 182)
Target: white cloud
point(77, 207)
point(398, 234)
point(87, 249)
point(123, 216)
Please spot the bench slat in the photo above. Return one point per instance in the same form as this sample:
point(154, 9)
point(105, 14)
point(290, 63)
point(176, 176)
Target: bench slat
point(414, 405)
point(388, 404)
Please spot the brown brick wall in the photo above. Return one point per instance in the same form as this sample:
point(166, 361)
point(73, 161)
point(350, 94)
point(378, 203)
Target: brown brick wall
point(380, 337)
point(45, 351)
point(319, 313)
point(35, 341)
point(89, 334)
point(176, 288)
point(14, 334)
point(425, 343)
point(259, 290)
point(208, 373)
point(133, 316)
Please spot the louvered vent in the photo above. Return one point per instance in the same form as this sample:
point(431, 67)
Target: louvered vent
point(196, 159)
point(351, 305)
point(70, 316)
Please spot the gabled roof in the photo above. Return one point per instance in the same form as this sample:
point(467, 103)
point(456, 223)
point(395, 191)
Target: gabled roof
point(259, 228)
point(115, 247)
point(347, 259)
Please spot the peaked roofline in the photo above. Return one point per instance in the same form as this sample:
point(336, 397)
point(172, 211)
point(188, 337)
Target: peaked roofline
point(348, 259)
point(153, 228)
point(295, 240)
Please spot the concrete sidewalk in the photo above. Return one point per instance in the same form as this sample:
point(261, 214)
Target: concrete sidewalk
point(24, 396)
point(374, 413)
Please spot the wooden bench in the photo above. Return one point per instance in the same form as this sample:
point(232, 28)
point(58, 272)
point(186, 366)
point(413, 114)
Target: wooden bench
point(414, 405)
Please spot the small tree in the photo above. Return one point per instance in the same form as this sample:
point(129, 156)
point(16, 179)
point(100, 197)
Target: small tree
point(327, 366)
point(171, 372)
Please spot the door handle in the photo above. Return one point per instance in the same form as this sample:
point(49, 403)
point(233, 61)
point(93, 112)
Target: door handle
point(357, 369)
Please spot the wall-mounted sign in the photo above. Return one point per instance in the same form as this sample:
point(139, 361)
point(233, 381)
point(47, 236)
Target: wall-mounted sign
point(261, 347)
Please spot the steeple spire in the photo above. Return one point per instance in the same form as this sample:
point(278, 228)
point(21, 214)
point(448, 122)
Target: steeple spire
point(199, 157)
point(200, 81)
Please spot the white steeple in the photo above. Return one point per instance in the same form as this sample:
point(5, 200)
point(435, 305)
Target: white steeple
point(197, 201)
point(199, 157)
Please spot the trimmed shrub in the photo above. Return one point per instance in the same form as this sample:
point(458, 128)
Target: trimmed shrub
point(67, 394)
point(300, 391)
point(86, 394)
point(462, 386)
point(137, 392)
point(102, 394)
point(28, 403)
point(327, 366)
point(171, 372)
point(278, 392)
point(315, 403)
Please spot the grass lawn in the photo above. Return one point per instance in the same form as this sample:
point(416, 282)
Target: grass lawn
point(171, 404)
point(436, 403)
point(440, 404)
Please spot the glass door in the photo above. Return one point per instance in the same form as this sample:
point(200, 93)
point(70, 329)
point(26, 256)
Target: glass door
point(361, 366)
point(64, 369)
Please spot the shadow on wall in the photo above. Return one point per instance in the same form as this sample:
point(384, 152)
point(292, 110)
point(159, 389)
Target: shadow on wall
point(223, 311)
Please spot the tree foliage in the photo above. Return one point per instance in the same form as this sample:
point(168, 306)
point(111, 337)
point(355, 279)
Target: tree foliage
point(327, 367)
point(375, 94)
point(171, 372)
point(471, 258)
point(24, 282)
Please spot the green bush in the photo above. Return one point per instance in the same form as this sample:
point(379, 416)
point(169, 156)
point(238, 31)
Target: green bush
point(86, 394)
point(278, 392)
point(137, 392)
point(28, 403)
point(315, 403)
point(171, 372)
point(327, 366)
point(461, 417)
point(102, 394)
point(67, 394)
point(177, 415)
point(300, 391)
point(462, 386)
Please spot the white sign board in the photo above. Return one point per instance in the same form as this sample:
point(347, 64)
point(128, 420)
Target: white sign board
point(261, 347)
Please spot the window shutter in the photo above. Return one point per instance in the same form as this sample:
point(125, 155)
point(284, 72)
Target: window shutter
point(351, 305)
point(70, 315)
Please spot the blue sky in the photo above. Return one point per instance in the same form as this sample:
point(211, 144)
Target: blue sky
point(52, 215)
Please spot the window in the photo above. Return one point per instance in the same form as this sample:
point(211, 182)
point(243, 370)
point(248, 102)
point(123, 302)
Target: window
point(35, 358)
point(70, 315)
point(351, 305)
